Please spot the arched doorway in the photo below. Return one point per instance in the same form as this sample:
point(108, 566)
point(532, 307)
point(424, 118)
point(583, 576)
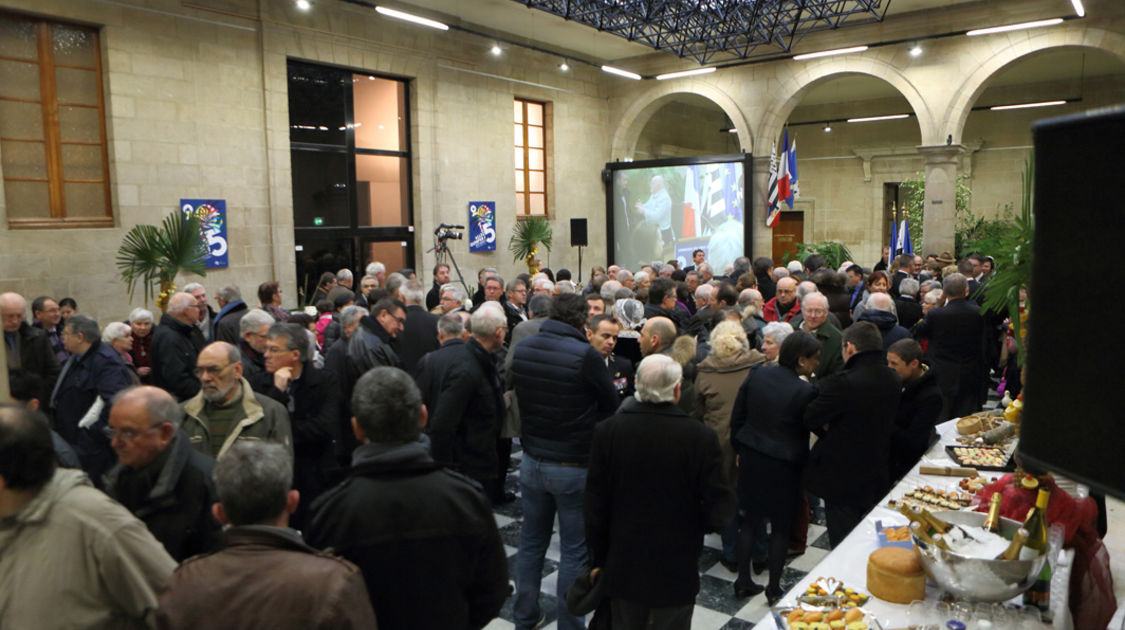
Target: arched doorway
point(686, 125)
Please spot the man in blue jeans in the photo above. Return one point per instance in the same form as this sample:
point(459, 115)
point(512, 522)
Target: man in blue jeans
point(563, 389)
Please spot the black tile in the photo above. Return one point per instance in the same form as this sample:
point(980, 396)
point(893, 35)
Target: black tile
point(548, 607)
point(513, 509)
point(822, 542)
point(708, 558)
point(549, 566)
point(737, 624)
point(790, 577)
point(718, 594)
point(510, 533)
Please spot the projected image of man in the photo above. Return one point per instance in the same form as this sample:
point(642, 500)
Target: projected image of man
point(658, 209)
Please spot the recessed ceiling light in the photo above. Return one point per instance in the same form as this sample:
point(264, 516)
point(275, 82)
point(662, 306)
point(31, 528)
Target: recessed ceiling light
point(564, 66)
point(732, 130)
point(874, 118)
point(685, 73)
point(827, 128)
point(915, 50)
point(1078, 8)
point(829, 53)
point(303, 5)
point(1014, 27)
point(410, 17)
point(495, 50)
point(621, 73)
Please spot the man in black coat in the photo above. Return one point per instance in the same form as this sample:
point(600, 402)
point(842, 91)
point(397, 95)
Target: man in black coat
point(400, 514)
point(907, 306)
point(370, 345)
point(956, 350)
point(419, 334)
point(231, 311)
point(160, 478)
point(662, 303)
point(175, 347)
point(28, 348)
point(653, 464)
point(918, 410)
point(905, 270)
point(441, 276)
point(853, 417)
point(563, 389)
point(602, 333)
point(80, 402)
point(311, 397)
point(465, 402)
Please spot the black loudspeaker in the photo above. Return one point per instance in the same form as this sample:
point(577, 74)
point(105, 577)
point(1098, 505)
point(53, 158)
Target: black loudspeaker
point(1072, 420)
point(578, 233)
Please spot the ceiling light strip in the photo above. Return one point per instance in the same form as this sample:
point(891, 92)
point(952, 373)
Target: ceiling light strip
point(1014, 27)
point(829, 53)
point(875, 118)
point(685, 73)
point(621, 73)
point(997, 108)
point(1078, 8)
point(410, 17)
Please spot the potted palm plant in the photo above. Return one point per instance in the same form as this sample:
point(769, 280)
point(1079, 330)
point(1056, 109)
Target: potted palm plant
point(527, 236)
point(152, 256)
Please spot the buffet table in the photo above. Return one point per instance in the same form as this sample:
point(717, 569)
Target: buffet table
point(848, 561)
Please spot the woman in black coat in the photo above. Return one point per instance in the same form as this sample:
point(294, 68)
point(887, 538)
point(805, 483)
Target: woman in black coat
point(771, 442)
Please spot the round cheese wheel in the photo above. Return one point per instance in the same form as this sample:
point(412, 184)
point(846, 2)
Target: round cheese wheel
point(895, 575)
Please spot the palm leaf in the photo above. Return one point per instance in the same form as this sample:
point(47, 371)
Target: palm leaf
point(527, 234)
point(149, 255)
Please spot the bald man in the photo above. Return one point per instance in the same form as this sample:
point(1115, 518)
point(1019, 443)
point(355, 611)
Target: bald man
point(28, 348)
point(784, 306)
point(158, 477)
point(175, 348)
point(658, 336)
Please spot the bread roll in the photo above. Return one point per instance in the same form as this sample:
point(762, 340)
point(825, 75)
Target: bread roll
point(895, 575)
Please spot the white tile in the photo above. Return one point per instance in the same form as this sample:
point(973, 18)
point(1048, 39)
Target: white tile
point(509, 551)
point(713, 541)
point(549, 583)
point(705, 619)
point(815, 531)
point(502, 520)
point(721, 572)
point(808, 561)
point(500, 624)
point(755, 609)
point(553, 548)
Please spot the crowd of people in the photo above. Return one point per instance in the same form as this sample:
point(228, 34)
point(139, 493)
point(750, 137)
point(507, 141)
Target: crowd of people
point(149, 465)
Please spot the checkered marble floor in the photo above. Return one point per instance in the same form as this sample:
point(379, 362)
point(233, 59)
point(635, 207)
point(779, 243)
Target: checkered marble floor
point(715, 606)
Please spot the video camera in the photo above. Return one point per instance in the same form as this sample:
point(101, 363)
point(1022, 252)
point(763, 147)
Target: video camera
point(446, 231)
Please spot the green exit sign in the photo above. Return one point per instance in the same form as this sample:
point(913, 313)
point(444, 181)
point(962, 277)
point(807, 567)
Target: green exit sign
point(318, 221)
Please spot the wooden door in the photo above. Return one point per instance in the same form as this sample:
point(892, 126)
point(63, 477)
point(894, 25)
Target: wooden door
point(789, 231)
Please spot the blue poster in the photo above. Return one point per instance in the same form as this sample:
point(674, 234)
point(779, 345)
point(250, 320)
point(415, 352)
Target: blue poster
point(482, 226)
point(212, 215)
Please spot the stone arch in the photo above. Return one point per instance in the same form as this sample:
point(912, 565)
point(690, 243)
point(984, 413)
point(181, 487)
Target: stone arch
point(794, 89)
point(638, 113)
point(1019, 46)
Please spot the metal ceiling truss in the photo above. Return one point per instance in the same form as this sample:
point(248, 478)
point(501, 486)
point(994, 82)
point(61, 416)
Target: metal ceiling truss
point(715, 30)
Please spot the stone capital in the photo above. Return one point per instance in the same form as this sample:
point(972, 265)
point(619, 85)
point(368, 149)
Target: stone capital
point(942, 153)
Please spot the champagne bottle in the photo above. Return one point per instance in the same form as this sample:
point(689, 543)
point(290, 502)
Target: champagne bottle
point(935, 523)
point(922, 533)
point(992, 523)
point(1014, 549)
point(1036, 526)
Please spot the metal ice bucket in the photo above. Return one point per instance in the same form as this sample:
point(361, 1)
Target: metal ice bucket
point(978, 579)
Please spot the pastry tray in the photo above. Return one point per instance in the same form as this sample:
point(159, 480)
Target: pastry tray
point(1008, 466)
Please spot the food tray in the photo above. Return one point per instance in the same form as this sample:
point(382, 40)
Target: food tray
point(886, 542)
point(781, 614)
point(1007, 466)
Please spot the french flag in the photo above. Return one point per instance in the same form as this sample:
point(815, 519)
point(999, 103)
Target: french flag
point(783, 183)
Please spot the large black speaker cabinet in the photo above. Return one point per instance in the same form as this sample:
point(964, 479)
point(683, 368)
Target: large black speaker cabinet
point(578, 233)
point(1074, 413)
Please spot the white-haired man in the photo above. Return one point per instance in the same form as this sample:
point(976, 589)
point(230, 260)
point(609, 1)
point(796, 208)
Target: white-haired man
point(647, 462)
point(175, 346)
point(465, 400)
point(881, 312)
point(206, 313)
point(379, 270)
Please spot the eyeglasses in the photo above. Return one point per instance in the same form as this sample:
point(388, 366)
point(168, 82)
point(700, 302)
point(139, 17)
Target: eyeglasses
point(213, 370)
point(126, 435)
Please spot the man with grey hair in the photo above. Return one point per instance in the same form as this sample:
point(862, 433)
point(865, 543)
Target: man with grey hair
point(159, 477)
point(231, 311)
point(706, 273)
point(28, 348)
point(175, 347)
point(642, 280)
point(609, 290)
point(881, 312)
point(625, 277)
point(515, 307)
point(779, 273)
point(703, 297)
point(226, 410)
point(206, 313)
point(957, 349)
point(394, 283)
point(647, 462)
point(89, 380)
point(344, 278)
point(290, 579)
point(400, 514)
point(419, 334)
point(907, 306)
point(815, 321)
point(542, 286)
point(312, 398)
point(461, 389)
point(378, 270)
point(252, 331)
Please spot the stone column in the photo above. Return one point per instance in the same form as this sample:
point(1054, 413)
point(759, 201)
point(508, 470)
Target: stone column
point(756, 211)
point(940, 222)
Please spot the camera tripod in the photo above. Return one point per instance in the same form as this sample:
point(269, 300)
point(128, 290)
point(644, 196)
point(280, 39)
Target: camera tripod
point(441, 251)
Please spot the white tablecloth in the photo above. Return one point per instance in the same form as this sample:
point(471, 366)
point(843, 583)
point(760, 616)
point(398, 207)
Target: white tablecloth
point(848, 561)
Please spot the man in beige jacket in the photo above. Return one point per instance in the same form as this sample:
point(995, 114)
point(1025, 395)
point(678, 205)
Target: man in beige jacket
point(70, 557)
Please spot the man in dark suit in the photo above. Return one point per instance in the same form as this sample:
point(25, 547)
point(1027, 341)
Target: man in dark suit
point(905, 270)
point(28, 348)
point(907, 305)
point(956, 350)
point(918, 410)
point(602, 331)
point(697, 258)
point(648, 464)
point(441, 276)
point(419, 335)
point(853, 417)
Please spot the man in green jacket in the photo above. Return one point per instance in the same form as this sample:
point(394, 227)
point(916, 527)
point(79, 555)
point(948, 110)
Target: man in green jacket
point(226, 409)
point(814, 310)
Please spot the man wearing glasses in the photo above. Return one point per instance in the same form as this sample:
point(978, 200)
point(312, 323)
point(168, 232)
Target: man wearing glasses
point(226, 409)
point(158, 477)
